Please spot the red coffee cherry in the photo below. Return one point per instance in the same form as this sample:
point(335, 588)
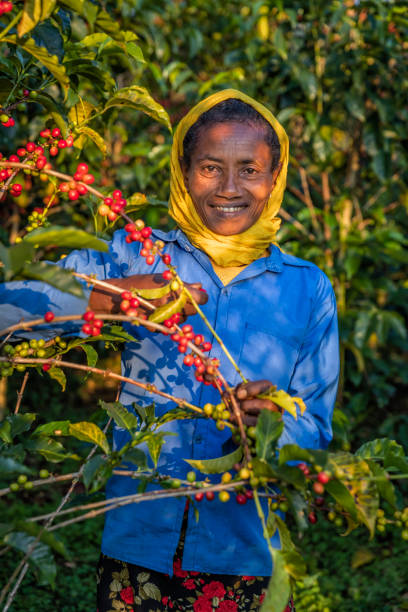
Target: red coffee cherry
point(167, 275)
point(146, 232)
point(207, 346)
point(318, 488)
point(150, 260)
point(89, 315)
point(241, 499)
point(73, 194)
point(199, 496)
point(88, 179)
point(117, 194)
point(56, 133)
point(126, 295)
point(188, 360)
point(87, 328)
point(82, 168)
point(312, 518)
point(323, 477)
point(210, 495)
point(49, 316)
point(166, 259)
point(30, 146)
point(46, 367)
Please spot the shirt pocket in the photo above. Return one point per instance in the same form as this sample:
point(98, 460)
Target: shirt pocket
point(265, 355)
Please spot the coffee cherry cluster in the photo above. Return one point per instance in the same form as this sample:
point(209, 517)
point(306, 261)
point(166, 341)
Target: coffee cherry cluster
point(113, 205)
point(78, 186)
point(92, 326)
point(5, 7)
point(54, 142)
point(183, 337)
point(37, 218)
point(23, 482)
point(138, 232)
point(5, 119)
point(34, 348)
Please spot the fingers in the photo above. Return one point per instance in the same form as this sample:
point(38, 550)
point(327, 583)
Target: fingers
point(198, 293)
point(254, 406)
point(250, 389)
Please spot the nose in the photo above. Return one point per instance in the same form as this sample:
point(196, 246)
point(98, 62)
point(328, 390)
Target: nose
point(228, 186)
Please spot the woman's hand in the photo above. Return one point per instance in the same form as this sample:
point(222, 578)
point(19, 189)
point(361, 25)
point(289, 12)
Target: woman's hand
point(102, 301)
point(251, 405)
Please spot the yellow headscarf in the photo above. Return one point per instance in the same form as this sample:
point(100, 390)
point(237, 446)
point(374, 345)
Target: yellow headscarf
point(239, 249)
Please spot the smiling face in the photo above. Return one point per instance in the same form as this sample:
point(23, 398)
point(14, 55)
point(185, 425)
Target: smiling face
point(230, 176)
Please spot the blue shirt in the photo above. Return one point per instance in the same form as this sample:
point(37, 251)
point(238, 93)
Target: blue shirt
point(278, 319)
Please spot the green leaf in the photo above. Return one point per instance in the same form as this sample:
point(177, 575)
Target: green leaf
point(91, 355)
point(284, 534)
point(122, 417)
point(295, 565)
point(362, 556)
point(96, 472)
point(15, 424)
point(34, 12)
point(139, 98)
point(218, 465)
point(278, 593)
point(293, 452)
point(5, 432)
point(358, 495)
point(41, 557)
point(8, 465)
point(385, 487)
point(89, 432)
point(169, 309)
point(34, 529)
point(53, 275)
point(355, 105)
point(269, 428)
point(50, 449)
point(299, 507)
point(155, 293)
point(59, 375)
point(154, 444)
point(136, 456)
point(15, 257)
point(60, 236)
point(279, 43)
point(53, 428)
point(379, 449)
point(49, 61)
point(135, 51)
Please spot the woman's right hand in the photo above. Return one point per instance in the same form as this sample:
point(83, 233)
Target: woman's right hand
point(102, 301)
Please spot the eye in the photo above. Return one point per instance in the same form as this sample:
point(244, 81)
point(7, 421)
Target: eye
point(210, 170)
point(249, 171)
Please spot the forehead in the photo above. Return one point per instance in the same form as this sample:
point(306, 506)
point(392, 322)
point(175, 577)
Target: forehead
point(232, 139)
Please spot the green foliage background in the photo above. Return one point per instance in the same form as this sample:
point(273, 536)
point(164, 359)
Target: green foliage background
point(335, 74)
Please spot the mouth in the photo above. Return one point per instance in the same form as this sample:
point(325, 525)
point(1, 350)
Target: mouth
point(229, 210)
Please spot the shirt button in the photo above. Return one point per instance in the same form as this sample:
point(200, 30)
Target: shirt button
point(187, 248)
point(199, 439)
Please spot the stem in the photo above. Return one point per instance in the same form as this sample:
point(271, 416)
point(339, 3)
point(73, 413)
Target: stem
point(111, 504)
point(65, 177)
point(11, 25)
point(262, 519)
point(21, 392)
point(212, 330)
point(106, 374)
point(44, 481)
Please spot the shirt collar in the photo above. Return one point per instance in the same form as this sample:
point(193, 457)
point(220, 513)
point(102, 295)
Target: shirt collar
point(272, 263)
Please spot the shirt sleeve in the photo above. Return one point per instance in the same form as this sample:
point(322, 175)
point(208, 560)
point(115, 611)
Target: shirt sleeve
point(27, 300)
point(316, 374)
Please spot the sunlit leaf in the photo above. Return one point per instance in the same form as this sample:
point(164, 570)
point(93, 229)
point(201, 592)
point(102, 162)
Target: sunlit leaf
point(140, 99)
point(34, 12)
point(155, 293)
point(71, 237)
point(94, 136)
point(218, 465)
point(89, 432)
point(169, 309)
point(59, 375)
point(278, 592)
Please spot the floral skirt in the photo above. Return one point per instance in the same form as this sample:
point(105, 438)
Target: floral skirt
point(124, 587)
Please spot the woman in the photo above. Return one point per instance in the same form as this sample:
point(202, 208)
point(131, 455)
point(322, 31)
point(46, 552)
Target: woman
point(274, 312)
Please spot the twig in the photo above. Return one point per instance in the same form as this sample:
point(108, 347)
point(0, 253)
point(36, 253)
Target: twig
point(307, 199)
point(44, 481)
point(326, 200)
point(285, 215)
point(22, 568)
point(111, 504)
point(21, 392)
point(106, 374)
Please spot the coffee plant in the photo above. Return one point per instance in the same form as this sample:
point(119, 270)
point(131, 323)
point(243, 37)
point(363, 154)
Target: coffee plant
point(74, 76)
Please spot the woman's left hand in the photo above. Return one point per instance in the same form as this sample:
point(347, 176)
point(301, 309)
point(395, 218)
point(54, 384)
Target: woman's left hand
point(251, 405)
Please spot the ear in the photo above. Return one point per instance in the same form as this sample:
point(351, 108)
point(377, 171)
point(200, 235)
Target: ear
point(275, 174)
point(184, 171)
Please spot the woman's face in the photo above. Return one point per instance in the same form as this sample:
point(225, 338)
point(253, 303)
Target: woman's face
point(230, 176)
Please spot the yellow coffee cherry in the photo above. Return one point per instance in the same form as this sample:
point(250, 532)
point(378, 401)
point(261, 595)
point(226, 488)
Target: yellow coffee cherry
point(226, 477)
point(223, 496)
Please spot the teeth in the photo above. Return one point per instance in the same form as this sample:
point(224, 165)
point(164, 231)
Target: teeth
point(228, 209)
